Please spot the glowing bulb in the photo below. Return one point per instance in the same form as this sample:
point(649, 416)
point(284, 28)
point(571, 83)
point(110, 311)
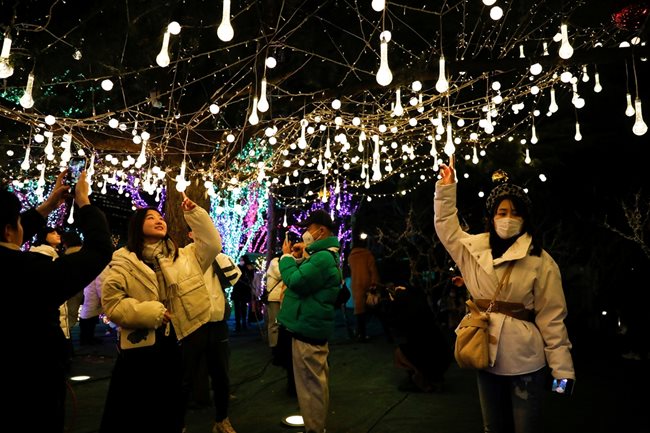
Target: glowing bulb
point(597, 87)
point(527, 159)
point(302, 142)
point(25, 163)
point(162, 59)
point(545, 48)
point(378, 5)
point(496, 13)
point(107, 84)
point(566, 50)
point(174, 28)
point(442, 84)
point(474, 156)
point(449, 146)
point(536, 69)
point(398, 110)
point(585, 74)
point(578, 135)
point(533, 135)
point(225, 31)
point(639, 127)
point(26, 100)
point(336, 104)
point(71, 217)
point(6, 69)
point(253, 119)
point(384, 74)
point(181, 183)
point(263, 103)
point(270, 62)
point(553, 107)
point(416, 86)
point(629, 111)
point(50, 120)
point(489, 2)
point(214, 108)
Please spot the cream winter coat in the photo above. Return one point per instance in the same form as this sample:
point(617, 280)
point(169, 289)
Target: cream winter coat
point(516, 346)
point(130, 288)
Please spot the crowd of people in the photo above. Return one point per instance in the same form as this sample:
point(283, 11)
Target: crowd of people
point(171, 308)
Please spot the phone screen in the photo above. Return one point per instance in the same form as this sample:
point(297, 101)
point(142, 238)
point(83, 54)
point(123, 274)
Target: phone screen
point(560, 386)
point(75, 166)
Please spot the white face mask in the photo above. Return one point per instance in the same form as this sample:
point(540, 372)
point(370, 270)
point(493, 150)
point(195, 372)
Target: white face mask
point(507, 227)
point(307, 238)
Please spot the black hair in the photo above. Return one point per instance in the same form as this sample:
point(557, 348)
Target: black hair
point(135, 241)
point(9, 211)
point(500, 246)
point(41, 236)
point(71, 239)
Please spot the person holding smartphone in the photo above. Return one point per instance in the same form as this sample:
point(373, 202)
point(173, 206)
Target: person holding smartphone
point(527, 330)
point(34, 288)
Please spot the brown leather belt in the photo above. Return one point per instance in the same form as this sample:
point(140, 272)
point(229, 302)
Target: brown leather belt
point(512, 309)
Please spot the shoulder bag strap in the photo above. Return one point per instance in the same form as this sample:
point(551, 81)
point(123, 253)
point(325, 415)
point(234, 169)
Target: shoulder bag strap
point(504, 281)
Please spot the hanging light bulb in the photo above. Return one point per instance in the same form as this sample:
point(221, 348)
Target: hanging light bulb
point(162, 59)
point(253, 119)
point(225, 31)
point(181, 182)
point(378, 5)
point(449, 146)
point(263, 103)
point(442, 84)
point(639, 128)
point(536, 68)
point(302, 142)
point(26, 100)
point(553, 107)
point(578, 135)
point(287, 182)
point(71, 217)
point(527, 159)
point(585, 74)
point(545, 47)
point(566, 50)
point(474, 156)
point(376, 160)
point(398, 110)
point(328, 152)
point(6, 69)
point(384, 74)
point(533, 135)
point(49, 148)
point(25, 164)
point(629, 111)
point(597, 87)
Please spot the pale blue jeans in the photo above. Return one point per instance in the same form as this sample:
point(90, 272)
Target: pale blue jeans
point(512, 404)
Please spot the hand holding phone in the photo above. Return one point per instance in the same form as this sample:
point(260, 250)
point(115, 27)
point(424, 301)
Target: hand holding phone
point(563, 386)
point(76, 165)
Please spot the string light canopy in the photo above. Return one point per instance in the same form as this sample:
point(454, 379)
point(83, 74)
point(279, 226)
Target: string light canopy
point(316, 86)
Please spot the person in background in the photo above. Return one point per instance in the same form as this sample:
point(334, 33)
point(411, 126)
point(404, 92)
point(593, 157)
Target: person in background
point(48, 242)
point(156, 294)
point(364, 275)
point(44, 284)
point(71, 243)
point(307, 313)
point(210, 343)
point(242, 292)
point(279, 339)
point(526, 328)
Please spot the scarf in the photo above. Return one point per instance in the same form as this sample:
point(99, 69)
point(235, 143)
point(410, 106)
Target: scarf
point(159, 257)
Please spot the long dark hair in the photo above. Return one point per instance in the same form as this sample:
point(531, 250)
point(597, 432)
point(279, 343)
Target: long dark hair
point(498, 245)
point(135, 241)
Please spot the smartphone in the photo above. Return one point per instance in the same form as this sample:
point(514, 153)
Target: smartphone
point(562, 386)
point(76, 165)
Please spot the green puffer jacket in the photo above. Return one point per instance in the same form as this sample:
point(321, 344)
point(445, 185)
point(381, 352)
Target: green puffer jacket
point(312, 286)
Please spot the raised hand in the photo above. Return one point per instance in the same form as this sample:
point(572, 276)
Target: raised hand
point(448, 173)
point(187, 204)
point(57, 196)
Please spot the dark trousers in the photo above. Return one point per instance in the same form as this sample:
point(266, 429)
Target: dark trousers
point(144, 394)
point(209, 341)
point(241, 310)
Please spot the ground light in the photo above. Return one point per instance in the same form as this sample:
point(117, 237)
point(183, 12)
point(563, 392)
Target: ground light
point(79, 378)
point(293, 420)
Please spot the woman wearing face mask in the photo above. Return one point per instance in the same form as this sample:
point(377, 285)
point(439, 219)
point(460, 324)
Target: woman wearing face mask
point(527, 330)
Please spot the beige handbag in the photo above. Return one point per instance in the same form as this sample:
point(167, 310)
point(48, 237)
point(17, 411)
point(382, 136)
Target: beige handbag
point(136, 338)
point(472, 337)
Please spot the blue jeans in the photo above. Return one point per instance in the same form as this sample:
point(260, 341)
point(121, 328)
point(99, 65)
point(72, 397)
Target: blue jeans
point(511, 404)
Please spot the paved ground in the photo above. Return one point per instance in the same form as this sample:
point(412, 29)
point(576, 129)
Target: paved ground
point(610, 395)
